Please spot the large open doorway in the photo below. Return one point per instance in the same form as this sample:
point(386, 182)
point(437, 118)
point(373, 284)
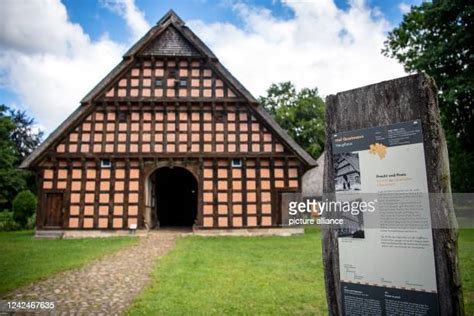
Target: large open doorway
point(173, 197)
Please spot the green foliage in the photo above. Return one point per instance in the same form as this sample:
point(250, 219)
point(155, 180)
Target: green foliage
point(10, 179)
point(300, 113)
point(24, 206)
point(461, 165)
point(438, 38)
point(7, 223)
point(25, 137)
point(31, 223)
point(17, 139)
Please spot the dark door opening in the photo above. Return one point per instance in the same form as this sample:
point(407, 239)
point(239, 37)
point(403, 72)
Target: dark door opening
point(176, 197)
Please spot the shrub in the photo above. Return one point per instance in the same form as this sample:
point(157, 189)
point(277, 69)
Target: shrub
point(7, 223)
point(24, 206)
point(31, 224)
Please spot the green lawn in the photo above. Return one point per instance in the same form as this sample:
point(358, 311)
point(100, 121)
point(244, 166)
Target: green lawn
point(254, 275)
point(466, 258)
point(238, 275)
point(222, 275)
point(24, 259)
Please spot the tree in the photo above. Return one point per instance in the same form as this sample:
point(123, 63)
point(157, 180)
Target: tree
point(438, 38)
point(300, 113)
point(11, 180)
point(25, 136)
point(17, 139)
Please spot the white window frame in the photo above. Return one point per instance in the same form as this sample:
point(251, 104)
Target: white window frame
point(106, 163)
point(236, 163)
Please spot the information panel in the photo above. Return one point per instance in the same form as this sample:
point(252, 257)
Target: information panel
point(386, 257)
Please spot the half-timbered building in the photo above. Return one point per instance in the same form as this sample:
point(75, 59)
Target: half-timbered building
point(168, 138)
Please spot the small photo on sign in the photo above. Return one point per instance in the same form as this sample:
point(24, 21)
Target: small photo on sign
point(346, 172)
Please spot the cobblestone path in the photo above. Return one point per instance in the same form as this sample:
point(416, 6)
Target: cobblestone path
point(103, 287)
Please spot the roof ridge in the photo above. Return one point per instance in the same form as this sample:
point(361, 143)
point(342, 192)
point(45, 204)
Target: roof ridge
point(170, 15)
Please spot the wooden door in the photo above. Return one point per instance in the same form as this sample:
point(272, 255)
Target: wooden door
point(53, 211)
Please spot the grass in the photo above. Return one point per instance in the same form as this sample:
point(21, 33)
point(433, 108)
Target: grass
point(24, 259)
point(222, 275)
point(254, 275)
point(238, 275)
point(466, 261)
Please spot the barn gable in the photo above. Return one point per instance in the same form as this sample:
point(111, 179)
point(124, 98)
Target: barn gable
point(161, 130)
point(169, 64)
point(167, 56)
point(161, 78)
point(170, 43)
point(168, 125)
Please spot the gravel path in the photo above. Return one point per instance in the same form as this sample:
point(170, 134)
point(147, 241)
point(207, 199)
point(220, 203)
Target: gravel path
point(103, 287)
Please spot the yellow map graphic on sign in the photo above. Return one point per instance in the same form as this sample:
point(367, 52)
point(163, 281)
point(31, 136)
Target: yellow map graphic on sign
point(378, 149)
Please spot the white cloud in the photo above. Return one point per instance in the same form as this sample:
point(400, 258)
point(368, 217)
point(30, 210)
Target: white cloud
point(48, 61)
point(321, 46)
point(134, 18)
point(404, 7)
point(38, 27)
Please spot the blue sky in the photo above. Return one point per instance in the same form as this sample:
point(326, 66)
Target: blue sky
point(96, 19)
point(53, 52)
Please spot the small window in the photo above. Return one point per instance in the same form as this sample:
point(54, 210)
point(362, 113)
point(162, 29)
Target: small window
point(183, 83)
point(122, 117)
point(220, 117)
point(106, 163)
point(158, 83)
point(236, 163)
point(172, 73)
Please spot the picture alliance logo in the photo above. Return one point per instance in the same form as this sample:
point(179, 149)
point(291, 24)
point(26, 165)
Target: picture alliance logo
point(311, 211)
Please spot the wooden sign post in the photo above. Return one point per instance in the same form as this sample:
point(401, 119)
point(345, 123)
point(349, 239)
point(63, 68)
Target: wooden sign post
point(394, 118)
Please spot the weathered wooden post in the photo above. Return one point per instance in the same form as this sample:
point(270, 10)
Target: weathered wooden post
point(408, 99)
